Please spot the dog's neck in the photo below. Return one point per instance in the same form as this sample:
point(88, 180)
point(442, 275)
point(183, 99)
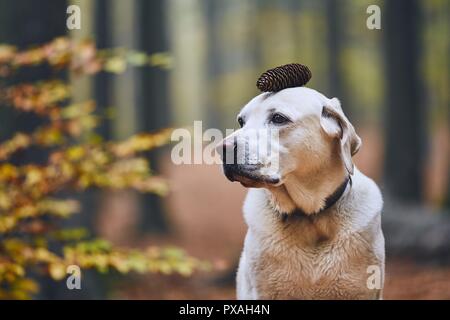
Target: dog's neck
point(309, 193)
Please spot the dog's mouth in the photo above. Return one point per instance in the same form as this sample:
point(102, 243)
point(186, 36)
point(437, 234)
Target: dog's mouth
point(249, 176)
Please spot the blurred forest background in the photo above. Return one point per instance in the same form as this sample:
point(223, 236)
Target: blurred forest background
point(393, 84)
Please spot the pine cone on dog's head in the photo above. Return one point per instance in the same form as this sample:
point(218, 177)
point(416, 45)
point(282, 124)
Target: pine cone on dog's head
point(287, 76)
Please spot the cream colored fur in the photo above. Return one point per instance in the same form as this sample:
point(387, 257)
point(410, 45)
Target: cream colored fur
point(317, 256)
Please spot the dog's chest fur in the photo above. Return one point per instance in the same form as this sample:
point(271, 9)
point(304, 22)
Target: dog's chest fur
point(325, 257)
point(321, 269)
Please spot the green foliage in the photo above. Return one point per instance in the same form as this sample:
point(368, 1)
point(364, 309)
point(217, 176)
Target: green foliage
point(30, 209)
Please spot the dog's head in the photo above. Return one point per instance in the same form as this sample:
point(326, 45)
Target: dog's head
point(296, 130)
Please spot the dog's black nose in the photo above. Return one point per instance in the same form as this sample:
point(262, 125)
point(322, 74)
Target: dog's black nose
point(229, 152)
point(229, 158)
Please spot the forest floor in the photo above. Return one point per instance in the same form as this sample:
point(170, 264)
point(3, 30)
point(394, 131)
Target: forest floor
point(205, 217)
point(404, 280)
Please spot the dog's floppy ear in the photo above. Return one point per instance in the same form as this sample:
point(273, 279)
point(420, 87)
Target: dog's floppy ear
point(336, 125)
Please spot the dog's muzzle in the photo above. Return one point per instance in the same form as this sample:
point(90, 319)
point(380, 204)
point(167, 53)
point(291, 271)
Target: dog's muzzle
point(246, 173)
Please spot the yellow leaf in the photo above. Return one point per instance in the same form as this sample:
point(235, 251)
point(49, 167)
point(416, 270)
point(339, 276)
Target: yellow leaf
point(115, 65)
point(57, 271)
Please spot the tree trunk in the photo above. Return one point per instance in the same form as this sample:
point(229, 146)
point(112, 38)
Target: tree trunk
point(153, 102)
point(23, 24)
point(405, 114)
point(334, 32)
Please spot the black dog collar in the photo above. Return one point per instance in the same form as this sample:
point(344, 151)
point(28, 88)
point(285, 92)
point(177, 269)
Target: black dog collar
point(329, 202)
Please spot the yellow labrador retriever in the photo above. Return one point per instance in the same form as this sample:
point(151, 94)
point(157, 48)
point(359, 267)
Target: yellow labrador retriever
point(314, 229)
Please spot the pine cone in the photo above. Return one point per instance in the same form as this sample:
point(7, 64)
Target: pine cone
point(287, 76)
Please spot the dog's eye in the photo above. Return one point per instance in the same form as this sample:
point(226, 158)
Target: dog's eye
point(240, 121)
point(278, 119)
